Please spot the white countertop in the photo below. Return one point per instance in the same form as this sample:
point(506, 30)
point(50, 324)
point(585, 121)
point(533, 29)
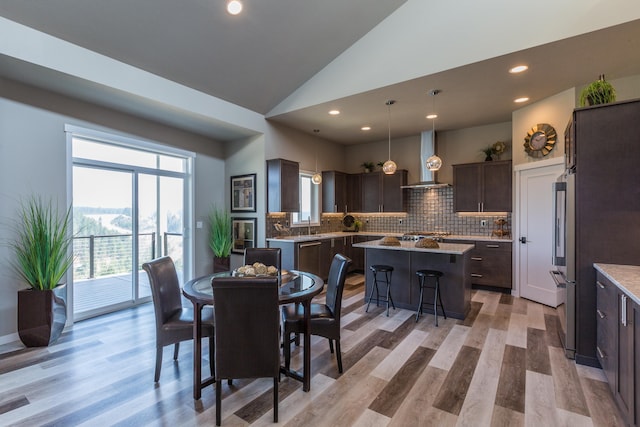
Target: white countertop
point(410, 246)
point(626, 277)
point(339, 234)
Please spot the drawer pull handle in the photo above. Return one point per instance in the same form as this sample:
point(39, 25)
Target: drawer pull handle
point(600, 353)
point(493, 246)
point(601, 314)
point(476, 258)
point(476, 275)
point(600, 284)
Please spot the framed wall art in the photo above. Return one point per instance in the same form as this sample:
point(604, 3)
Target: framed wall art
point(244, 234)
point(243, 193)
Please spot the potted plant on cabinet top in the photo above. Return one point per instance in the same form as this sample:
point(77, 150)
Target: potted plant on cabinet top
point(598, 92)
point(220, 238)
point(43, 253)
point(368, 166)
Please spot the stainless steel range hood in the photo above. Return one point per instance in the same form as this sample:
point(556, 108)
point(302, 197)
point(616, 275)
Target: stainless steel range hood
point(427, 149)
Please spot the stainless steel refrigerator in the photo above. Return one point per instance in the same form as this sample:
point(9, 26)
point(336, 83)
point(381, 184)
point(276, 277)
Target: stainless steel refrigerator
point(597, 212)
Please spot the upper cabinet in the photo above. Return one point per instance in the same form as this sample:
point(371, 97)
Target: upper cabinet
point(283, 193)
point(482, 187)
point(334, 191)
point(383, 193)
point(354, 192)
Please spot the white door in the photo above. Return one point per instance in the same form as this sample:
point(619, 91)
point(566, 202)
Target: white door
point(534, 231)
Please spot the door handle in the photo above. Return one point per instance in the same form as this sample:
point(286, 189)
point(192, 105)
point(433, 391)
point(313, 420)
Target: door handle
point(524, 240)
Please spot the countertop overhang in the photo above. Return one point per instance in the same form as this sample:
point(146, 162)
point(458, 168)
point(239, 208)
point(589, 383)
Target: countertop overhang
point(626, 277)
point(410, 246)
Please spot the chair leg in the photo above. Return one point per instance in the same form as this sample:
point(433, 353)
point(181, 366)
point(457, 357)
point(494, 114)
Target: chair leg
point(419, 309)
point(218, 402)
point(176, 349)
point(286, 349)
point(375, 286)
point(275, 399)
point(212, 362)
point(331, 346)
point(339, 355)
point(158, 362)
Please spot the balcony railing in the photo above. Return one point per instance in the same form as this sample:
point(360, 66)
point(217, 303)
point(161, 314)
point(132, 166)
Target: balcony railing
point(103, 255)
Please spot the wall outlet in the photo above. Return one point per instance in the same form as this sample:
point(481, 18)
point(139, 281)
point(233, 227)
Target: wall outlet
point(483, 223)
point(400, 221)
point(366, 221)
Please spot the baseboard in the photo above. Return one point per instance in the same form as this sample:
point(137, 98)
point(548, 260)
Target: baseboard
point(8, 339)
point(588, 361)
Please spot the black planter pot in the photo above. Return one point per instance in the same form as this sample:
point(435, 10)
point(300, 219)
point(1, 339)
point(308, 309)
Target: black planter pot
point(221, 264)
point(41, 315)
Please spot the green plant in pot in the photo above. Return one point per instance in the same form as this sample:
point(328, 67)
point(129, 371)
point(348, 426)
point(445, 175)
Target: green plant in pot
point(42, 246)
point(598, 92)
point(220, 238)
point(368, 166)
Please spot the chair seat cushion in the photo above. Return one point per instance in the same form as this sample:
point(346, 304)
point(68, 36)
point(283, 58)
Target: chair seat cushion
point(183, 319)
point(322, 320)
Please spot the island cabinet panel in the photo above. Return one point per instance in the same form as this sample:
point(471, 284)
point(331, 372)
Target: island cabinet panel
point(334, 191)
point(455, 284)
point(482, 187)
point(357, 254)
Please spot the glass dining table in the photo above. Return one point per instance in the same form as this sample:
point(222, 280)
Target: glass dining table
point(294, 287)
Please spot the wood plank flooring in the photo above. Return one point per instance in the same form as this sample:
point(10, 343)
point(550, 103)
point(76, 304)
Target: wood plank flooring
point(501, 366)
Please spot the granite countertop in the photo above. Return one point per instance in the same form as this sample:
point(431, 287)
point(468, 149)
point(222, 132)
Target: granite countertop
point(410, 246)
point(626, 277)
point(338, 234)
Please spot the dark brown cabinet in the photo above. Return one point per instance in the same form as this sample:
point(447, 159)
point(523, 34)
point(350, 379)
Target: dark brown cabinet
point(334, 191)
point(283, 179)
point(383, 193)
point(490, 263)
point(354, 192)
point(482, 187)
point(617, 344)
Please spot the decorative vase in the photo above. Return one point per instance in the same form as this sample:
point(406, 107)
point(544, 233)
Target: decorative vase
point(488, 158)
point(42, 315)
point(221, 264)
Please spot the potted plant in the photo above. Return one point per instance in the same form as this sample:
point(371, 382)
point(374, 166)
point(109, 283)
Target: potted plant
point(488, 152)
point(368, 166)
point(598, 92)
point(220, 238)
point(43, 253)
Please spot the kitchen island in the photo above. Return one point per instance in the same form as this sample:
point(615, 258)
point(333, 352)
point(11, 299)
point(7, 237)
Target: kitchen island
point(452, 259)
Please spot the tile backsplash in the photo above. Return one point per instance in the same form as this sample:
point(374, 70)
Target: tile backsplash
point(427, 210)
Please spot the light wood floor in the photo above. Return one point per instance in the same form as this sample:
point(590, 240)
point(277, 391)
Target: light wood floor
point(502, 366)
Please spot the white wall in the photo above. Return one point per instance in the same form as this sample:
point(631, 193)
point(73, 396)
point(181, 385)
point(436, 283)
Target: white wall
point(33, 160)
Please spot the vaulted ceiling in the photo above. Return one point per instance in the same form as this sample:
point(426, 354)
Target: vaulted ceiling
point(260, 58)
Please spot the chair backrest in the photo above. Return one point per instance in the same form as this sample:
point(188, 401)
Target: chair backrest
point(335, 283)
point(247, 319)
point(267, 256)
point(165, 288)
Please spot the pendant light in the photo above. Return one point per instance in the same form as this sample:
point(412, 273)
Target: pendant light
point(234, 7)
point(434, 162)
point(389, 167)
point(317, 177)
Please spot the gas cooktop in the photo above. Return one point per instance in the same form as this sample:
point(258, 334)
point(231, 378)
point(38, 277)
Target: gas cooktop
point(417, 235)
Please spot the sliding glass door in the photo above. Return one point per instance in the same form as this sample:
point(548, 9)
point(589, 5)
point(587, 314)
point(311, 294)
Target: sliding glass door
point(128, 208)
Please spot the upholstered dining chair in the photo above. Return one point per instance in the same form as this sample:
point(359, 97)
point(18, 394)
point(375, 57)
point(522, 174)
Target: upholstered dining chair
point(267, 256)
point(247, 340)
point(174, 323)
point(325, 318)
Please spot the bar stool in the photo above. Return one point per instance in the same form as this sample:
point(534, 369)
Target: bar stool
point(437, 299)
point(387, 270)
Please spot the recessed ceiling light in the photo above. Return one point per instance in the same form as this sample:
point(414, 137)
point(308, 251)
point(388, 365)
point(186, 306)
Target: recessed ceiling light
point(432, 116)
point(234, 7)
point(518, 69)
point(365, 128)
point(334, 112)
point(520, 100)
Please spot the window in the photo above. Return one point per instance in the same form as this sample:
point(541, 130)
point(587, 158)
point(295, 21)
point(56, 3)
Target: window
point(309, 203)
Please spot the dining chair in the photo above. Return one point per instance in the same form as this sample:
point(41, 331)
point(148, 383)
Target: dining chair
point(174, 323)
point(247, 339)
point(267, 256)
point(325, 318)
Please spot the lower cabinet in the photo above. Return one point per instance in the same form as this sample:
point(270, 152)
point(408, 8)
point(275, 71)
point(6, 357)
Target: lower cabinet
point(618, 345)
point(490, 263)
